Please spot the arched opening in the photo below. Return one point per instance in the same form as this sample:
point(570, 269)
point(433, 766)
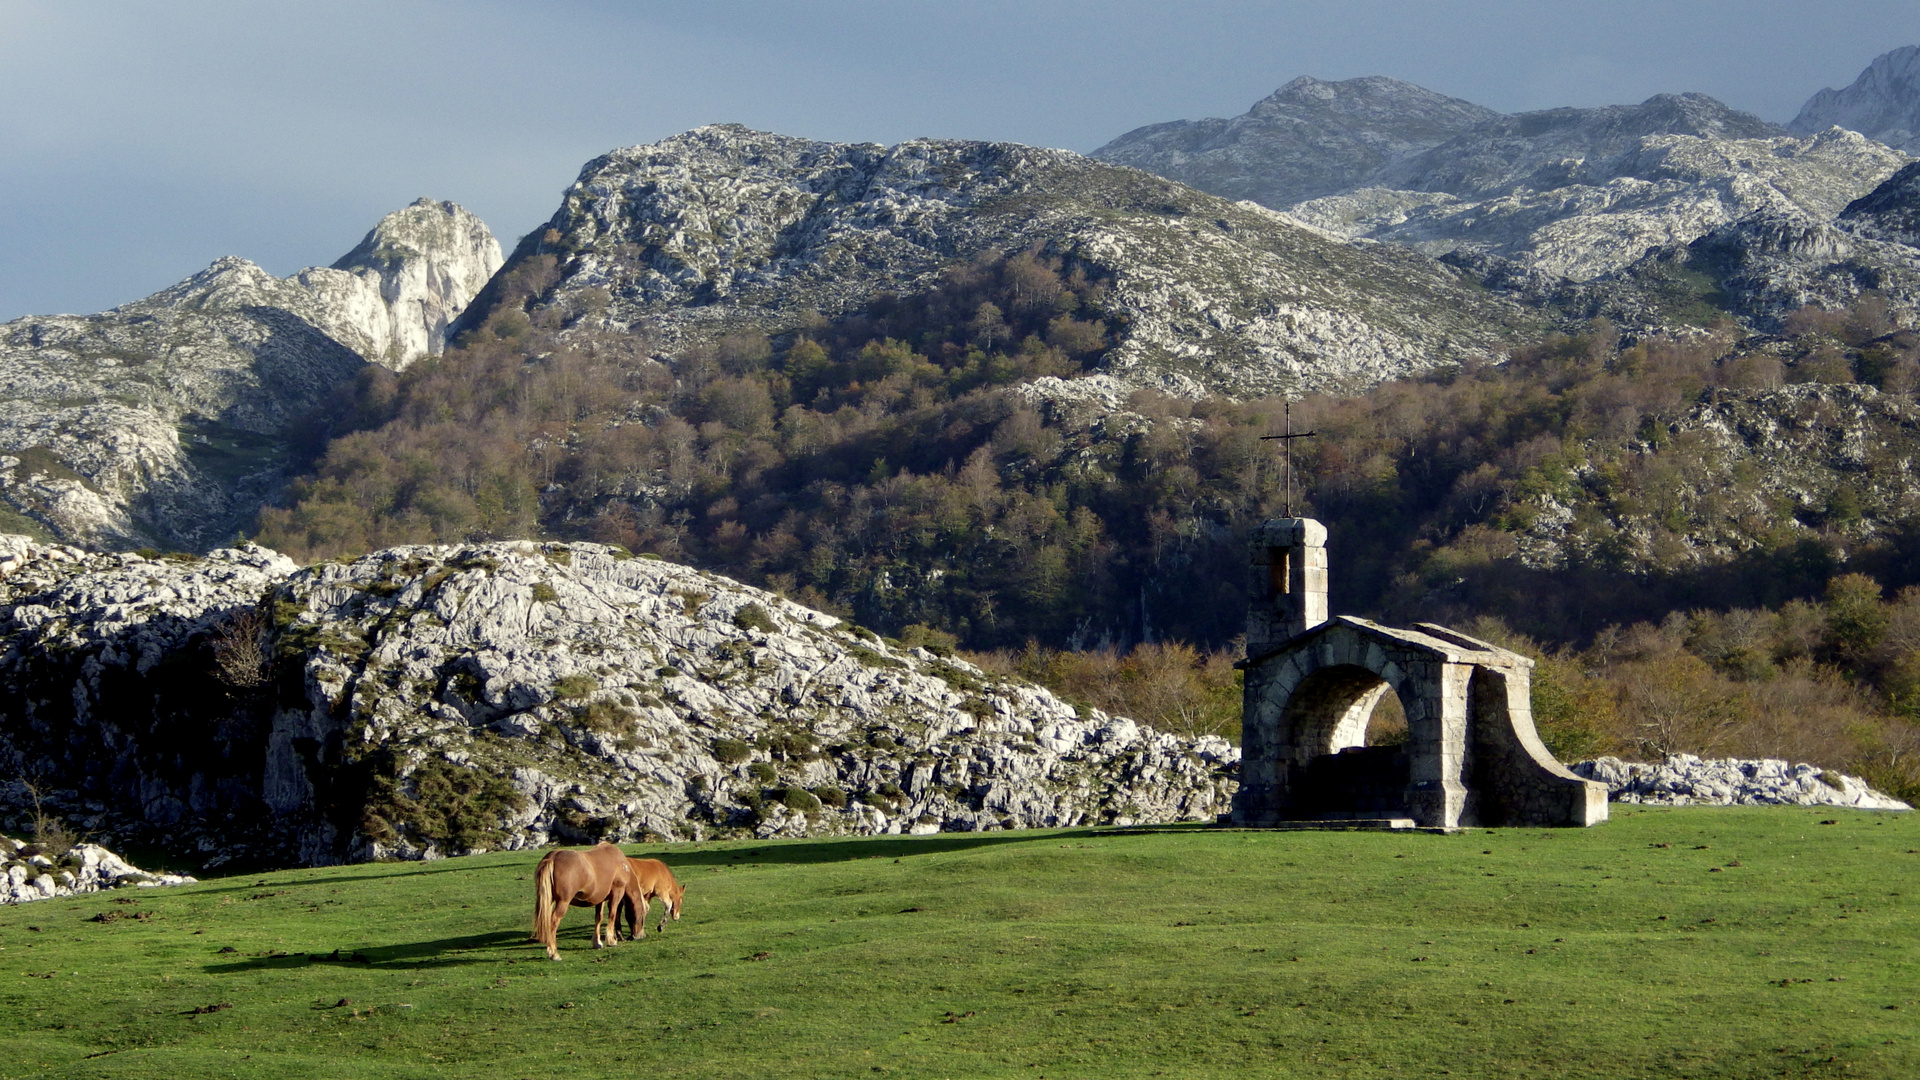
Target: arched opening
point(1349, 746)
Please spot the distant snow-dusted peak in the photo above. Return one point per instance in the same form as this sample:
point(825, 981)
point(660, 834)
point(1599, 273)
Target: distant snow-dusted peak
point(1883, 103)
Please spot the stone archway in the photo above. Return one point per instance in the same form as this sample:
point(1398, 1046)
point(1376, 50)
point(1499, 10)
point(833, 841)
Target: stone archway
point(1311, 683)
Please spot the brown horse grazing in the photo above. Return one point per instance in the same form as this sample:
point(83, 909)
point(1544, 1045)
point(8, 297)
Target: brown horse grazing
point(651, 879)
point(592, 878)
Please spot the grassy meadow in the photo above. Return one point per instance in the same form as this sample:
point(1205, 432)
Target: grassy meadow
point(1698, 942)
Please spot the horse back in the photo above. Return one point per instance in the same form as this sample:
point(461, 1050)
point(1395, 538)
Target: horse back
point(588, 877)
point(653, 876)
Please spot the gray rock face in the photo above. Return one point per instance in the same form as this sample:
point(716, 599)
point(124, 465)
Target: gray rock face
point(1557, 147)
point(1883, 103)
point(1686, 780)
point(82, 868)
point(430, 700)
point(723, 227)
point(1581, 193)
point(166, 422)
point(1890, 212)
point(1563, 196)
point(1307, 139)
point(1769, 265)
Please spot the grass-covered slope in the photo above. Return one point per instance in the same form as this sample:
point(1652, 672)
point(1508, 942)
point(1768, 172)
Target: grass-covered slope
point(1667, 943)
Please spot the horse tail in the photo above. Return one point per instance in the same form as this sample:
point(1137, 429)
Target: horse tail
point(543, 903)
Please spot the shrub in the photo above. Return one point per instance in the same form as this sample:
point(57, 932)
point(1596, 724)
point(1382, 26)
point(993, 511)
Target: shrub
point(755, 617)
point(790, 745)
point(577, 685)
point(800, 800)
point(607, 717)
point(934, 640)
point(731, 751)
point(869, 658)
point(762, 771)
point(543, 593)
point(830, 796)
point(453, 805)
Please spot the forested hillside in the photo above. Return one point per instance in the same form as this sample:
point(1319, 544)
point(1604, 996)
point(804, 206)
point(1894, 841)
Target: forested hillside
point(933, 467)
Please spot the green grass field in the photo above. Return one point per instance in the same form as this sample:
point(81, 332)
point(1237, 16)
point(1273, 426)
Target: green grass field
point(1665, 943)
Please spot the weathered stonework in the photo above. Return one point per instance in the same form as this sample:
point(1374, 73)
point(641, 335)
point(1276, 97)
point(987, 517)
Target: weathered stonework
point(1471, 756)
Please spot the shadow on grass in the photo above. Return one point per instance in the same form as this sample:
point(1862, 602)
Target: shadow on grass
point(766, 853)
point(444, 952)
point(803, 853)
point(263, 879)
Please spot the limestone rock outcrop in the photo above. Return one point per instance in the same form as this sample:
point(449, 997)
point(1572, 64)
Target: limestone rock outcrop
point(166, 422)
point(723, 227)
point(27, 873)
point(423, 701)
point(1687, 780)
point(393, 296)
point(1883, 103)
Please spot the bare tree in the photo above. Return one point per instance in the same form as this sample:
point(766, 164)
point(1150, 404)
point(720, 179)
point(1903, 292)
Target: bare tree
point(240, 650)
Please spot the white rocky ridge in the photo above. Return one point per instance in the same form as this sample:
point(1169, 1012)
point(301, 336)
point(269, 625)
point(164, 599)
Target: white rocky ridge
point(1585, 211)
point(425, 701)
point(1593, 190)
point(27, 873)
point(166, 422)
point(1882, 104)
point(1687, 780)
point(724, 227)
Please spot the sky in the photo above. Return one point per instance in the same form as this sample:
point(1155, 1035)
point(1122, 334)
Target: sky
point(142, 139)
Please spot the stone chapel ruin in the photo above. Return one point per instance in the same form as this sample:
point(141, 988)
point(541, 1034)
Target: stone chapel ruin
point(1471, 756)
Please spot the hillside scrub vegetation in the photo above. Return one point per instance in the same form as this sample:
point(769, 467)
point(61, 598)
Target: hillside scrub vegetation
point(901, 465)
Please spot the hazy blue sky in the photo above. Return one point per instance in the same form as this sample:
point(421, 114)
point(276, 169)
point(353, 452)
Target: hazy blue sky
point(142, 140)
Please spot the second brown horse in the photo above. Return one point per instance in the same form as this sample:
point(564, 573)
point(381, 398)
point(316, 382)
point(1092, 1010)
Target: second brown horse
point(651, 878)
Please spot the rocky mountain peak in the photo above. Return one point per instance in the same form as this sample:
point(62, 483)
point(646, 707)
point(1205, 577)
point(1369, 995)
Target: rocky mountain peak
point(1883, 103)
point(412, 275)
point(1308, 138)
point(164, 422)
point(1375, 97)
point(723, 228)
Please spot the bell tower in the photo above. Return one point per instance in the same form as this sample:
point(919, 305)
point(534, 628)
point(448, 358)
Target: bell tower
point(1287, 584)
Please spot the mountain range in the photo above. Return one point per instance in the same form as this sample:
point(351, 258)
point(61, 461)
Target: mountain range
point(798, 359)
point(1336, 235)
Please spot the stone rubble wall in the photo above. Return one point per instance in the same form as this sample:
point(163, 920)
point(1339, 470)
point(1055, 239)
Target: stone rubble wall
point(1686, 780)
point(28, 874)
